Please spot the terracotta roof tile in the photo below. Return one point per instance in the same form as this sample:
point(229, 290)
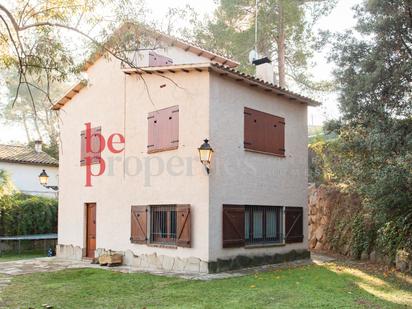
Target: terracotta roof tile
point(25, 155)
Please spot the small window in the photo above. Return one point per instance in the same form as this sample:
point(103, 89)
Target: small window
point(163, 129)
point(263, 224)
point(264, 132)
point(163, 223)
point(95, 154)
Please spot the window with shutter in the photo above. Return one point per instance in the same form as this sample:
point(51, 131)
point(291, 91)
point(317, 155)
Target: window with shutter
point(138, 224)
point(264, 132)
point(293, 224)
point(170, 225)
point(95, 140)
point(163, 129)
point(233, 226)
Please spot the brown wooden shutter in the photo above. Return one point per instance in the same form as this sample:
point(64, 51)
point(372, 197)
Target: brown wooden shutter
point(264, 132)
point(293, 224)
point(183, 226)
point(83, 148)
point(248, 129)
point(96, 154)
point(163, 129)
point(138, 224)
point(233, 226)
point(151, 143)
point(280, 136)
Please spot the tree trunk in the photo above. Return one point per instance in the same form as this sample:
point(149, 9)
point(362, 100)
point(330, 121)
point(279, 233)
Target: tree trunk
point(281, 47)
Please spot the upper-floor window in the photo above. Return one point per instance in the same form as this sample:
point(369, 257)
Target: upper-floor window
point(264, 132)
point(163, 129)
point(94, 153)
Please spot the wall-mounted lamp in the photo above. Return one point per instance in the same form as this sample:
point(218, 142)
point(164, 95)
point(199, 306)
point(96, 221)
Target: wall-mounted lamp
point(205, 153)
point(44, 179)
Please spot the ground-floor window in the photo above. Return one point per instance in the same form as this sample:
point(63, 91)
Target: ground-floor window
point(163, 224)
point(263, 224)
point(247, 225)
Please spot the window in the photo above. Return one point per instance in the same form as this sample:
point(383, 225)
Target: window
point(163, 224)
point(263, 224)
point(95, 154)
point(163, 129)
point(245, 225)
point(264, 132)
point(169, 225)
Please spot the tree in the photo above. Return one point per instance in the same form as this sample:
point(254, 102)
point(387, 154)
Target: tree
point(42, 40)
point(285, 33)
point(374, 74)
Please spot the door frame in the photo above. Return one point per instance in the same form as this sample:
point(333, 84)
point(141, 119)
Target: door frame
point(86, 214)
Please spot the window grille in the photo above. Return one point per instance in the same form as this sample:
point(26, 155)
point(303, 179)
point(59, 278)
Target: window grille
point(163, 224)
point(263, 224)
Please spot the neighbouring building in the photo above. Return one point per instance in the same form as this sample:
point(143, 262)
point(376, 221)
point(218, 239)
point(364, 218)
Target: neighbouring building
point(154, 200)
point(24, 164)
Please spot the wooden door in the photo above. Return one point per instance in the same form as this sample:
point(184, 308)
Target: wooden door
point(90, 230)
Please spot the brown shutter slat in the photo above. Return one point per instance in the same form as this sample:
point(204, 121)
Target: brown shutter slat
point(183, 226)
point(138, 224)
point(233, 226)
point(293, 224)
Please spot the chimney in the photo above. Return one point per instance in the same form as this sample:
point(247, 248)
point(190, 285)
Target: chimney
point(264, 70)
point(38, 146)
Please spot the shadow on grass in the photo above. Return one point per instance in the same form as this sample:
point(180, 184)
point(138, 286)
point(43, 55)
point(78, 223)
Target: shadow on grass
point(328, 286)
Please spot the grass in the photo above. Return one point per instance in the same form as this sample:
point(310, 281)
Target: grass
point(327, 286)
point(12, 256)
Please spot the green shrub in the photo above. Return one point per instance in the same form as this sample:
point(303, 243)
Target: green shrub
point(24, 214)
point(395, 235)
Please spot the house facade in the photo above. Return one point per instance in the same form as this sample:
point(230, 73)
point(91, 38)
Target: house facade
point(141, 189)
point(24, 164)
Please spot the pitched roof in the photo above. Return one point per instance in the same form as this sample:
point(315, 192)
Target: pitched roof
point(222, 70)
point(225, 71)
point(160, 36)
point(25, 155)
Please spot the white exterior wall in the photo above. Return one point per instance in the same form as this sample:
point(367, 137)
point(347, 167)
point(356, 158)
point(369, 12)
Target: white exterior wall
point(25, 177)
point(209, 107)
point(116, 101)
point(248, 178)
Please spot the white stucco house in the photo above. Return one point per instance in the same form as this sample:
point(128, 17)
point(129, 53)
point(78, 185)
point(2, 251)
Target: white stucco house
point(144, 191)
point(24, 164)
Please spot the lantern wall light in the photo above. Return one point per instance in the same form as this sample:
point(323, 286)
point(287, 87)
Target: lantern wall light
point(44, 179)
point(205, 154)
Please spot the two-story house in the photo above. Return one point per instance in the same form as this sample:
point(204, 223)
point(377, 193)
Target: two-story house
point(152, 198)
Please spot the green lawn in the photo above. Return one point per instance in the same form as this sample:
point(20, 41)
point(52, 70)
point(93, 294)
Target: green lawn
point(6, 257)
point(331, 286)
